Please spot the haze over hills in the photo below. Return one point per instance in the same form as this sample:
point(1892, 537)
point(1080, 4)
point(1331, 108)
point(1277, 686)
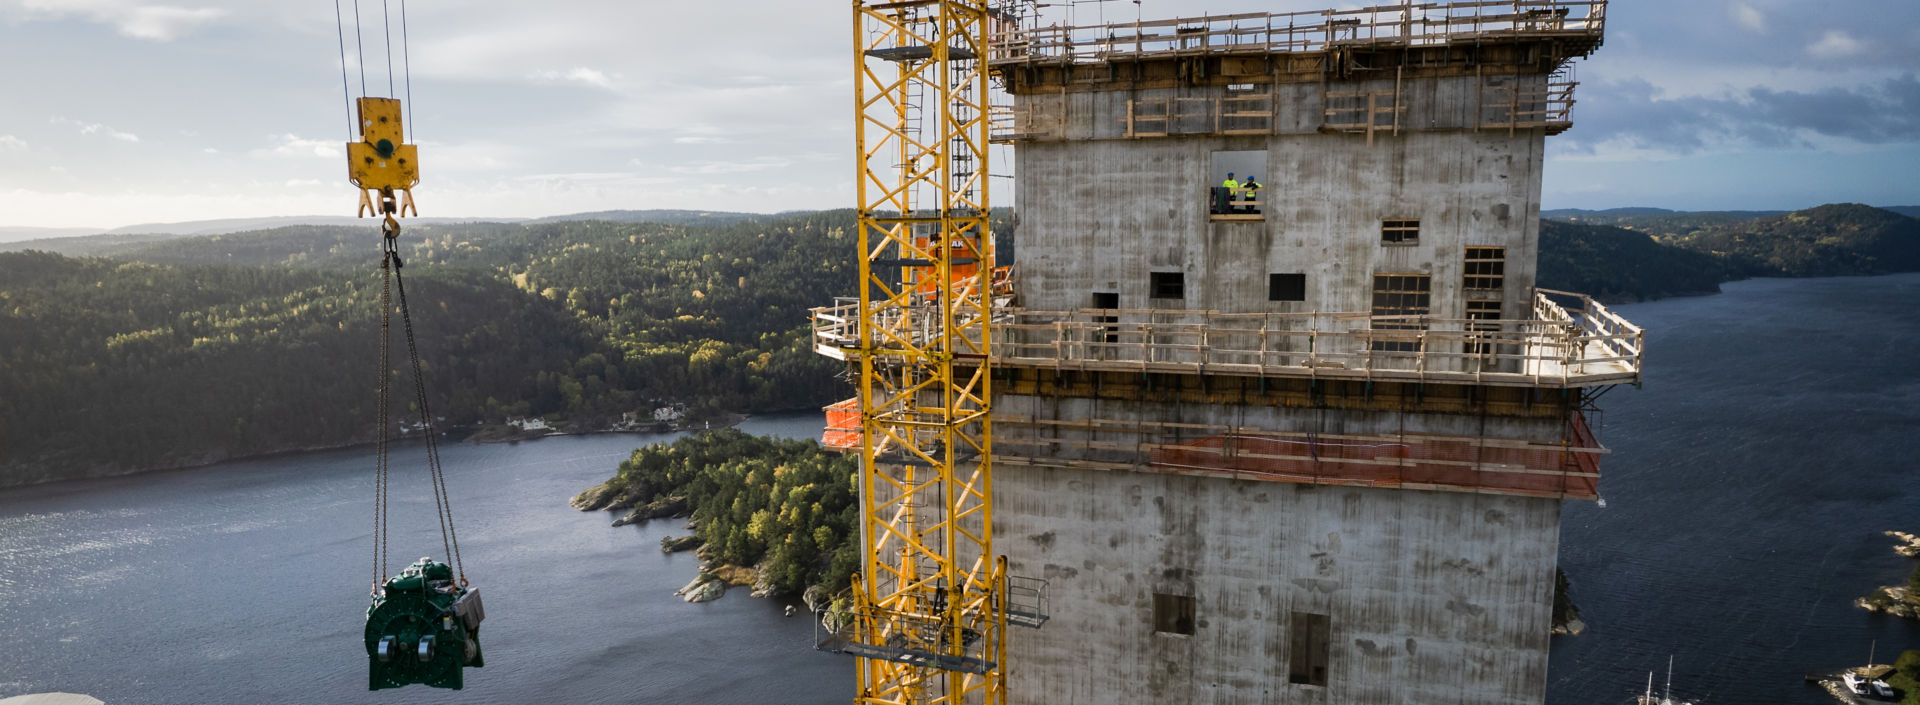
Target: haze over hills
point(69, 240)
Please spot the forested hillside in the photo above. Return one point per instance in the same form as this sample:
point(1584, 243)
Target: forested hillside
point(1616, 264)
point(200, 349)
point(1638, 253)
point(1831, 240)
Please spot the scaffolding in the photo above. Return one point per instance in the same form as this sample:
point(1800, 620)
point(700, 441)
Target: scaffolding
point(1556, 347)
point(930, 604)
point(1579, 23)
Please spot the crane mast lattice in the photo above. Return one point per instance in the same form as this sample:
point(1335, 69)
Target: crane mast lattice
point(930, 609)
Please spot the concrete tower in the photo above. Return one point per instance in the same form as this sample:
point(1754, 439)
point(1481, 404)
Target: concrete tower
point(1307, 444)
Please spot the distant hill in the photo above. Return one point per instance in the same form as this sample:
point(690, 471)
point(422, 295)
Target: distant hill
point(17, 233)
point(1584, 214)
point(1831, 240)
point(241, 225)
point(84, 242)
point(664, 217)
point(83, 245)
point(1908, 211)
point(1617, 264)
point(1656, 221)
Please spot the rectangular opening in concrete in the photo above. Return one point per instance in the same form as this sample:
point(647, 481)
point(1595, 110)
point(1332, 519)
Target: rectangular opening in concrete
point(1486, 269)
point(1236, 186)
point(1168, 285)
point(1488, 311)
point(1307, 659)
point(1400, 231)
point(1173, 614)
point(1109, 301)
point(1287, 287)
point(1405, 299)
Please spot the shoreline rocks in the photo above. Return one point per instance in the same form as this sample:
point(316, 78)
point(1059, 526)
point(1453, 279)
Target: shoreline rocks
point(704, 588)
point(1909, 545)
point(676, 544)
point(1896, 600)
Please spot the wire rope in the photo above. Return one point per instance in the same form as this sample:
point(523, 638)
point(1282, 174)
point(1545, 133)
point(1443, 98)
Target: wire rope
point(406, 64)
point(359, 48)
point(346, 91)
point(386, 24)
point(449, 538)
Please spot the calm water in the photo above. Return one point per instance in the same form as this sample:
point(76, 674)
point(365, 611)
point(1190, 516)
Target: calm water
point(247, 582)
point(1750, 479)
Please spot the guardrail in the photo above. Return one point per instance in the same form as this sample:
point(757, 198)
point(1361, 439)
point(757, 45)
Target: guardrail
point(1410, 24)
point(1587, 345)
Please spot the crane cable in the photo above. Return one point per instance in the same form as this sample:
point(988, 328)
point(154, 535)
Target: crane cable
point(393, 294)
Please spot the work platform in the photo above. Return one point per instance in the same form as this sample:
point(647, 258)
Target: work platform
point(1558, 347)
point(1579, 24)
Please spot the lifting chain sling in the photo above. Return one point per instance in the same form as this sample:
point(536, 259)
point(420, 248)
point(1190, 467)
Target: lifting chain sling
point(423, 625)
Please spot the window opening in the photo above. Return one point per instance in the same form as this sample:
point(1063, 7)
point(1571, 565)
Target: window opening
point(1107, 300)
point(1235, 189)
point(1404, 231)
point(1307, 660)
point(1173, 614)
point(1400, 295)
point(1486, 268)
point(1287, 287)
point(1169, 285)
point(1478, 311)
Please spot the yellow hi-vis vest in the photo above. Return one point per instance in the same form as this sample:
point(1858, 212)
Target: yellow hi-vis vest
point(1231, 186)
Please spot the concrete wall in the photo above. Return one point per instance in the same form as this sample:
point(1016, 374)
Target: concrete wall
point(1099, 214)
point(1434, 598)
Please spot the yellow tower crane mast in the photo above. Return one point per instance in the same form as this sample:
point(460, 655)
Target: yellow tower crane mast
point(930, 602)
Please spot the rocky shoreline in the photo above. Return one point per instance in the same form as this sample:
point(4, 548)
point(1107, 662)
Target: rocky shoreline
point(713, 578)
point(1897, 600)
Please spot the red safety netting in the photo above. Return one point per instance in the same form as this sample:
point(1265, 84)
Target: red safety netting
point(843, 425)
point(1413, 463)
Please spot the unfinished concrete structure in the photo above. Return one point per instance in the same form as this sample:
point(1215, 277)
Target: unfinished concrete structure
point(1308, 445)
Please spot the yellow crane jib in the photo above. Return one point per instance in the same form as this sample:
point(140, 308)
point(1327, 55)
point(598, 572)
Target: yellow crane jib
point(381, 162)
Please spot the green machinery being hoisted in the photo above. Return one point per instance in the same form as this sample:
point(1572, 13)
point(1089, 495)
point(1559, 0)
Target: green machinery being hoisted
point(424, 624)
point(423, 627)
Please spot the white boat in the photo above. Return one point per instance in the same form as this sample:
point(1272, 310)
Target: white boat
point(1869, 679)
point(1880, 688)
point(1855, 684)
point(1666, 699)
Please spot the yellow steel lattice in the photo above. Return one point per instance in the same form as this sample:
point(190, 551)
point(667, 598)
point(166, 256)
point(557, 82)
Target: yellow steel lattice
point(929, 611)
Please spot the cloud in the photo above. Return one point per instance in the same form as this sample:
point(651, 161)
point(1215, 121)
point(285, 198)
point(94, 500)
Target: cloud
point(94, 128)
point(578, 74)
point(153, 22)
point(1627, 115)
point(1836, 44)
point(741, 166)
point(1746, 16)
point(701, 140)
point(10, 142)
point(296, 147)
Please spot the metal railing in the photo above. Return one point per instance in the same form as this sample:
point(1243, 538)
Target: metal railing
point(1587, 345)
point(1411, 24)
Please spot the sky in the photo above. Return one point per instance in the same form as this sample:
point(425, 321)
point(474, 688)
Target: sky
point(128, 111)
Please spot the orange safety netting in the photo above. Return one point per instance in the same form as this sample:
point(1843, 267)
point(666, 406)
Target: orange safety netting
point(843, 425)
point(1414, 463)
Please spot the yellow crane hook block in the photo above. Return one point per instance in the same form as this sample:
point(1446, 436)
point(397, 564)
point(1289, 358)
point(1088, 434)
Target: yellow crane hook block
point(381, 162)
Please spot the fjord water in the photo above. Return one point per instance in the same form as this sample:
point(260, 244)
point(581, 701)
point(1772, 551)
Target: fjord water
point(1750, 480)
point(247, 583)
point(1774, 440)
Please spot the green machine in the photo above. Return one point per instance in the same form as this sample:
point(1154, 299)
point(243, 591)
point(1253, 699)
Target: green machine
point(423, 627)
